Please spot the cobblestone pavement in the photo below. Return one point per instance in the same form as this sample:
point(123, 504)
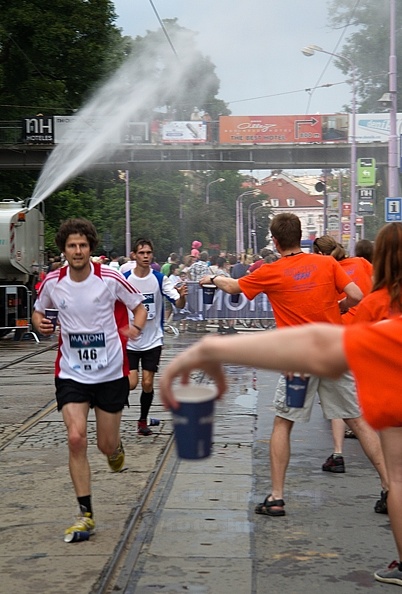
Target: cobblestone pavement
point(207, 539)
point(37, 498)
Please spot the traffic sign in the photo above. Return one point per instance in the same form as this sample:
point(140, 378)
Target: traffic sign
point(366, 207)
point(393, 209)
point(333, 221)
point(366, 172)
point(346, 209)
point(333, 200)
point(366, 193)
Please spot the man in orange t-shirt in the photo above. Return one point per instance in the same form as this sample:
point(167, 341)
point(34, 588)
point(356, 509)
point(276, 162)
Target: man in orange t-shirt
point(304, 288)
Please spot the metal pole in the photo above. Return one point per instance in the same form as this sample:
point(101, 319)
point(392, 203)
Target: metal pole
point(255, 232)
point(353, 156)
point(128, 231)
point(393, 174)
point(340, 207)
point(239, 220)
point(309, 51)
point(250, 246)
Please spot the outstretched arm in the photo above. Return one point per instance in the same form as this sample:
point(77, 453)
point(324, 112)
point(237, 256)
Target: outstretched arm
point(313, 348)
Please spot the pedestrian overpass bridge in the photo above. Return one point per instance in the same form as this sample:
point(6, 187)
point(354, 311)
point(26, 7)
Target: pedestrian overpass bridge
point(167, 157)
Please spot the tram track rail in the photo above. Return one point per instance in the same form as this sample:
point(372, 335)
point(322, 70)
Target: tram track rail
point(27, 356)
point(39, 415)
point(118, 566)
point(119, 574)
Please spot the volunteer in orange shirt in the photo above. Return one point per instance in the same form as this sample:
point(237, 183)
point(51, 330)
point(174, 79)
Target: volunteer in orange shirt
point(304, 288)
point(360, 271)
point(385, 299)
point(372, 352)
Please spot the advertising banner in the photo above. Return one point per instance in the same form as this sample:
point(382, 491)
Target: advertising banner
point(269, 129)
point(373, 127)
point(77, 128)
point(179, 132)
point(38, 130)
point(223, 308)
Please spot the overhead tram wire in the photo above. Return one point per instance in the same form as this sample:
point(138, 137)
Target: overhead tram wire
point(334, 51)
point(163, 28)
point(286, 93)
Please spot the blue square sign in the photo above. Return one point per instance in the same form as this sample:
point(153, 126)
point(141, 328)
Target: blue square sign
point(393, 209)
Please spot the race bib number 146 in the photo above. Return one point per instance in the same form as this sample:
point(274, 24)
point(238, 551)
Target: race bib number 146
point(88, 351)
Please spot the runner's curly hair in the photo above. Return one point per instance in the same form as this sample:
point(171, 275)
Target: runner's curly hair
point(76, 226)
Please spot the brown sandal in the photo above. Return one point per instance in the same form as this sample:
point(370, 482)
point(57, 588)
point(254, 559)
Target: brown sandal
point(265, 508)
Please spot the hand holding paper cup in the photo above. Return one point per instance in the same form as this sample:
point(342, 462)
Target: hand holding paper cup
point(193, 420)
point(52, 315)
point(296, 389)
point(208, 293)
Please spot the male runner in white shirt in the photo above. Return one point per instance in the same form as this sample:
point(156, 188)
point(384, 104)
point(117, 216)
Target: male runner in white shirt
point(148, 347)
point(91, 366)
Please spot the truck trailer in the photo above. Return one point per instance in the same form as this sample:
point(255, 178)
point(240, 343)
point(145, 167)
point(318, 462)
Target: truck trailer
point(22, 248)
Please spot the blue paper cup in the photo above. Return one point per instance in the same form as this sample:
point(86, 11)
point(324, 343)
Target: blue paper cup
point(193, 421)
point(208, 293)
point(77, 536)
point(52, 315)
point(296, 389)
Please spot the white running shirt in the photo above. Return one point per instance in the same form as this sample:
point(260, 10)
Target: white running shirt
point(153, 287)
point(91, 349)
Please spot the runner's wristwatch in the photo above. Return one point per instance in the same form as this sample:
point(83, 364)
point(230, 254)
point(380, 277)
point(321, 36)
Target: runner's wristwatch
point(212, 278)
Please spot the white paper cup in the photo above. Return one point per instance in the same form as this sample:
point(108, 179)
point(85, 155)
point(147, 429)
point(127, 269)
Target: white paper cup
point(193, 420)
point(52, 315)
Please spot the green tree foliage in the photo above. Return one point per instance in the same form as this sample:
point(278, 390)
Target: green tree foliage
point(367, 46)
point(53, 52)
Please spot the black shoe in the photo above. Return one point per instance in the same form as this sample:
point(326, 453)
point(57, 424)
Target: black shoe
point(231, 330)
point(381, 506)
point(334, 464)
point(222, 330)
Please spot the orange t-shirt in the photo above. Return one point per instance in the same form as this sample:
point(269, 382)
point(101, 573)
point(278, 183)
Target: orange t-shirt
point(360, 271)
point(374, 355)
point(375, 307)
point(302, 288)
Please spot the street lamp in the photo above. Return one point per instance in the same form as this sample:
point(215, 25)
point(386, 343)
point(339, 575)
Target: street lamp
point(239, 219)
point(128, 227)
point(220, 179)
point(255, 224)
point(250, 247)
point(310, 51)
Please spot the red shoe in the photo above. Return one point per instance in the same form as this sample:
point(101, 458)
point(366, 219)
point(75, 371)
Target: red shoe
point(143, 429)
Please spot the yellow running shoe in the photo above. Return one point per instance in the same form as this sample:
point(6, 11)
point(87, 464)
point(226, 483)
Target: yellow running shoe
point(116, 460)
point(83, 523)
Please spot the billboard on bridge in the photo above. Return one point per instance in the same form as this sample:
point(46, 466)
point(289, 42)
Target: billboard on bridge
point(179, 132)
point(283, 129)
point(373, 127)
